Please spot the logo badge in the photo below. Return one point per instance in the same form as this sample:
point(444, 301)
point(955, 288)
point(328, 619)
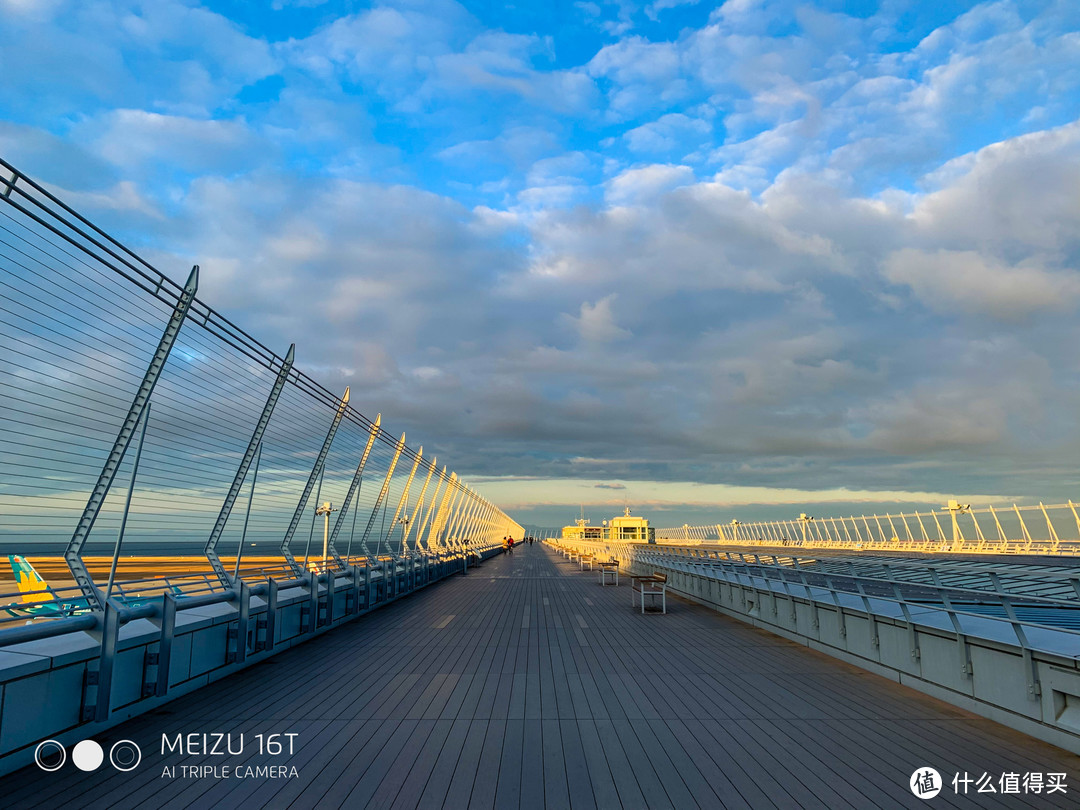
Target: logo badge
point(925, 783)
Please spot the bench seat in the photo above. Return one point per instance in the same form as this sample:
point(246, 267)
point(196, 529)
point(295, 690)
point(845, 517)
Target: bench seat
point(651, 585)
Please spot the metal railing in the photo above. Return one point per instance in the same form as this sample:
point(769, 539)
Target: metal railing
point(931, 603)
point(955, 529)
point(135, 412)
point(137, 418)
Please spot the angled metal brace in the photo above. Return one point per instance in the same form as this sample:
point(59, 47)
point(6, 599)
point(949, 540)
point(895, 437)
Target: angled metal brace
point(472, 506)
point(451, 516)
point(430, 511)
point(382, 494)
point(461, 508)
point(417, 510)
point(404, 496)
point(441, 514)
point(465, 516)
point(472, 528)
point(451, 509)
point(315, 471)
point(10, 185)
point(73, 554)
point(331, 547)
point(242, 470)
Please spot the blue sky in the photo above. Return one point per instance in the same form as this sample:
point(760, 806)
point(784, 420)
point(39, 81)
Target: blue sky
point(774, 252)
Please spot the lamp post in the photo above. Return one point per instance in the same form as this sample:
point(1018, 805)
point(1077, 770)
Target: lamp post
point(325, 511)
point(955, 508)
point(805, 519)
point(404, 520)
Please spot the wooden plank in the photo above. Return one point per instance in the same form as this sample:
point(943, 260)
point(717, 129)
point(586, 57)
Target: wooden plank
point(486, 781)
point(534, 768)
point(601, 774)
point(461, 778)
point(508, 793)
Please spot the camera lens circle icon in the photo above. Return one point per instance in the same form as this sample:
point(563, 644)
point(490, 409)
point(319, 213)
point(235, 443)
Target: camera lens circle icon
point(125, 755)
point(87, 755)
point(45, 755)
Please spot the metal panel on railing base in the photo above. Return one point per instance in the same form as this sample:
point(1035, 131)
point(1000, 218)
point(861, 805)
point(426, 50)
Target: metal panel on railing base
point(49, 686)
point(1033, 691)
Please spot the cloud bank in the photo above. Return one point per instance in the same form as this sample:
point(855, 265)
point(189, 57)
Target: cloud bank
point(666, 242)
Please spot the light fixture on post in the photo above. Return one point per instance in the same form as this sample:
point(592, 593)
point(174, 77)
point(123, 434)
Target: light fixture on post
point(325, 511)
point(404, 520)
point(956, 508)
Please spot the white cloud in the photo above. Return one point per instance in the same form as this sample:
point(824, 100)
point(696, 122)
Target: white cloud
point(596, 322)
point(645, 494)
point(653, 9)
point(668, 133)
point(431, 56)
point(123, 197)
point(636, 186)
point(948, 414)
point(1018, 195)
point(963, 281)
point(194, 145)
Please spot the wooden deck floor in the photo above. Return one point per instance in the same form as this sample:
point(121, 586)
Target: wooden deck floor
point(526, 684)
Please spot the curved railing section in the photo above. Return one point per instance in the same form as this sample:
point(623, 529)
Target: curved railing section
point(955, 529)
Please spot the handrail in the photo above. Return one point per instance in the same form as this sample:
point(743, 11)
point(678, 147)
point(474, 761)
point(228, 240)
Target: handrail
point(1004, 601)
point(1050, 529)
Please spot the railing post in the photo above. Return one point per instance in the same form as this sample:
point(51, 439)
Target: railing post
point(316, 470)
point(314, 519)
point(404, 497)
point(269, 639)
point(330, 577)
point(313, 602)
point(1030, 664)
point(247, 515)
point(168, 633)
point(354, 586)
point(417, 510)
point(443, 538)
point(243, 598)
point(127, 503)
point(245, 464)
point(354, 487)
point(424, 526)
point(73, 554)
point(382, 494)
point(110, 632)
point(453, 530)
point(468, 526)
point(369, 596)
point(440, 515)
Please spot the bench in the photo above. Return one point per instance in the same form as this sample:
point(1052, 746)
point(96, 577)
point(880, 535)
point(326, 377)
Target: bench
point(585, 558)
point(654, 584)
point(609, 568)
